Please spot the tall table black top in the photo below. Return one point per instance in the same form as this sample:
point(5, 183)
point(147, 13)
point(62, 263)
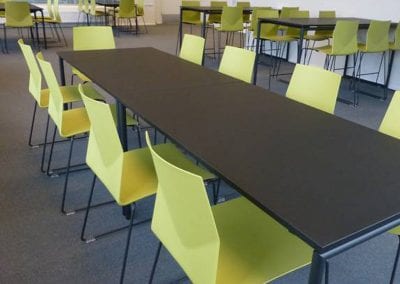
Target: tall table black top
point(33, 8)
point(326, 179)
point(313, 23)
point(213, 10)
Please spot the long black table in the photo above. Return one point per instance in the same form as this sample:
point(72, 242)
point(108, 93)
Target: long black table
point(34, 9)
point(331, 182)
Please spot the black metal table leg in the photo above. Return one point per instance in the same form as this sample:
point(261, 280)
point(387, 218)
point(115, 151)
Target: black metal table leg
point(44, 30)
point(300, 45)
point(317, 269)
point(391, 59)
point(62, 71)
point(180, 30)
point(203, 25)
point(257, 53)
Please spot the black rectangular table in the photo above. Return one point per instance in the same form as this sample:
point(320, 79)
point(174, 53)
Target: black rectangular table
point(205, 10)
point(34, 9)
point(331, 182)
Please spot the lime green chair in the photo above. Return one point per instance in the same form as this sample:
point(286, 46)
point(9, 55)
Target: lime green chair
point(127, 12)
point(231, 23)
point(128, 176)
point(233, 242)
point(267, 30)
point(344, 43)
point(191, 17)
point(390, 123)
point(282, 43)
point(192, 49)
point(140, 13)
point(215, 18)
point(315, 87)
point(54, 19)
point(91, 38)
point(318, 35)
point(238, 63)
point(286, 12)
point(70, 122)
point(377, 42)
point(17, 15)
point(69, 94)
point(246, 17)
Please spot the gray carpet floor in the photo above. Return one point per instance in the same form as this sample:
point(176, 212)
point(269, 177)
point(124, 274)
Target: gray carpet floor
point(40, 245)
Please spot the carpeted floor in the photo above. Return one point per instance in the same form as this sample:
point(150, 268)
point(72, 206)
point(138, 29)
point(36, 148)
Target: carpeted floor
point(40, 245)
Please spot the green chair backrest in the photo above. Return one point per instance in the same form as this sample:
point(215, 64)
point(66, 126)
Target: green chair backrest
point(287, 11)
point(80, 5)
point(216, 18)
point(396, 43)
point(238, 63)
point(18, 14)
point(126, 9)
point(345, 38)
point(183, 220)
point(325, 14)
point(390, 124)
point(56, 100)
point(86, 6)
point(295, 32)
point(49, 6)
point(232, 18)
point(104, 152)
point(315, 87)
point(92, 38)
point(140, 8)
point(35, 77)
point(246, 17)
point(266, 29)
point(190, 16)
point(192, 49)
point(378, 36)
point(56, 10)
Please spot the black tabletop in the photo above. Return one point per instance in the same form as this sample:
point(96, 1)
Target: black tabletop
point(326, 179)
point(32, 7)
point(212, 9)
point(310, 23)
point(108, 3)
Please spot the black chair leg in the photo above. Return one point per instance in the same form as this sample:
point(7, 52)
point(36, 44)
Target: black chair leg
point(67, 176)
point(5, 39)
point(44, 144)
point(216, 186)
point(126, 250)
point(32, 125)
point(153, 269)
point(51, 151)
point(396, 260)
point(87, 209)
point(326, 272)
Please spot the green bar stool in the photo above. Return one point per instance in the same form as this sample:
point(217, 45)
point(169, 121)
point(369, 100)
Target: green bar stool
point(319, 35)
point(231, 23)
point(344, 43)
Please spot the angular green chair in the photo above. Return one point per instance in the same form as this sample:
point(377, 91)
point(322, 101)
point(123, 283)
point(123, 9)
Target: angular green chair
point(318, 35)
point(69, 94)
point(233, 242)
point(315, 87)
point(238, 63)
point(17, 15)
point(377, 42)
point(91, 38)
point(246, 17)
point(282, 43)
point(69, 122)
point(286, 12)
point(231, 23)
point(344, 43)
point(192, 49)
point(267, 30)
point(127, 11)
point(128, 176)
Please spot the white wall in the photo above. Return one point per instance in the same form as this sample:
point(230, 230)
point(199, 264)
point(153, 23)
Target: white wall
point(371, 9)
